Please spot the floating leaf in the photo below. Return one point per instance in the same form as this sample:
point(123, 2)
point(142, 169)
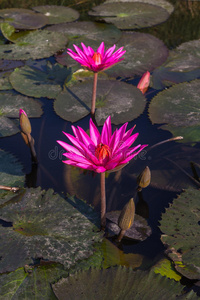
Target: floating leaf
point(95, 31)
point(5, 82)
point(10, 34)
point(10, 103)
point(23, 18)
point(10, 175)
point(57, 14)
point(47, 226)
point(6, 65)
point(139, 230)
point(37, 44)
point(119, 283)
point(35, 83)
point(182, 65)
point(130, 15)
point(162, 3)
point(166, 268)
point(138, 57)
point(180, 227)
point(179, 107)
point(74, 102)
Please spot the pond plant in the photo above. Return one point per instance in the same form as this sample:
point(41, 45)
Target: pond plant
point(54, 242)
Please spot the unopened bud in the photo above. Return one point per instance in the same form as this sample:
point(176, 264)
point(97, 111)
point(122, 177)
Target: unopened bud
point(24, 122)
point(144, 179)
point(144, 82)
point(127, 215)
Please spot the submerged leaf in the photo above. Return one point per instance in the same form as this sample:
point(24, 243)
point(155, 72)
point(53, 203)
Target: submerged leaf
point(166, 268)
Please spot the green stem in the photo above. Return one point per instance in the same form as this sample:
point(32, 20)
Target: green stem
point(103, 201)
point(94, 92)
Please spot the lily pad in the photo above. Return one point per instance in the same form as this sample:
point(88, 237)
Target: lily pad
point(138, 57)
point(4, 81)
point(162, 3)
point(10, 103)
point(45, 225)
point(37, 44)
point(6, 65)
point(23, 18)
point(183, 64)
point(108, 33)
point(179, 107)
point(74, 102)
point(138, 232)
point(58, 14)
point(180, 227)
point(119, 283)
point(166, 268)
point(130, 15)
point(10, 174)
point(40, 83)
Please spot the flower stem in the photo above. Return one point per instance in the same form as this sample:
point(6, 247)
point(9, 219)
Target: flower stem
point(94, 93)
point(103, 201)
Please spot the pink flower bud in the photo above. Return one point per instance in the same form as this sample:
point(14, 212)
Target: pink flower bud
point(144, 82)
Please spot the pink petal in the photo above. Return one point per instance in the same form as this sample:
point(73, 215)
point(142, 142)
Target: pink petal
point(109, 52)
point(85, 49)
point(69, 148)
point(133, 155)
point(77, 158)
point(106, 131)
point(128, 142)
point(85, 138)
point(91, 51)
point(80, 52)
point(94, 133)
point(101, 49)
point(21, 111)
point(79, 165)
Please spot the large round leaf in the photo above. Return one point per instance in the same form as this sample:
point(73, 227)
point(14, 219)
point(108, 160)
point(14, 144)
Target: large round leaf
point(92, 30)
point(162, 3)
point(57, 14)
point(40, 83)
point(179, 107)
point(183, 64)
point(119, 283)
point(23, 18)
point(139, 57)
point(37, 44)
point(47, 226)
point(10, 103)
point(74, 102)
point(180, 227)
point(10, 174)
point(130, 15)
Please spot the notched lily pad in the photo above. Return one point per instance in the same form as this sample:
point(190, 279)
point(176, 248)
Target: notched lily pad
point(138, 57)
point(138, 232)
point(183, 64)
point(179, 107)
point(180, 227)
point(130, 15)
point(40, 83)
point(10, 175)
point(23, 18)
point(108, 33)
point(37, 44)
point(58, 14)
point(74, 103)
point(10, 103)
point(64, 236)
point(119, 283)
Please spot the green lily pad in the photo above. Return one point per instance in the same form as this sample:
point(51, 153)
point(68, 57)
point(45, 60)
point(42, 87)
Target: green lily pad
point(180, 227)
point(138, 57)
point(182, 65)
point(10, 103)
point(119, 283)
point(108, 33)
point(74, 102)
point(162, 3)
point(58, 14)
point(138, 232)
point(10, 175)
point(10, 33)
point(23, 18)
point(130, 15)
point(40, 83)
point(47, 226)
point(37, 44)
point(166, 268)
point(179, 107)
point(5, 82)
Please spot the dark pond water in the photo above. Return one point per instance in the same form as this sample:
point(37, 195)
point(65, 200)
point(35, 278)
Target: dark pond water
point(167, 178)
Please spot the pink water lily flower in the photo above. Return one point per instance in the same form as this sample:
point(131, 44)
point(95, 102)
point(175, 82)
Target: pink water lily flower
point(99, 60)
point(100, 152)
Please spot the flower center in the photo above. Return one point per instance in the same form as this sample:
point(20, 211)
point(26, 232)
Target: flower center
point(97, 57)
point(102, 152)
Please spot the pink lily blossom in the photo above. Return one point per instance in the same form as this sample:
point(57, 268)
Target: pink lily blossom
point(99, 60)
point(100, 152)
point(144, 82)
